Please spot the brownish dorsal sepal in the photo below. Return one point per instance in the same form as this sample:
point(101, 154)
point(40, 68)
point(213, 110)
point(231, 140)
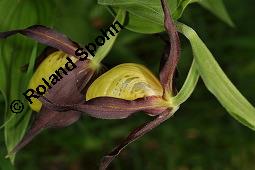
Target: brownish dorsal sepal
point(172, 53)
point(47, 36)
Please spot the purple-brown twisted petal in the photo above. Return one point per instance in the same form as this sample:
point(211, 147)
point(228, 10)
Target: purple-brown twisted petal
point(172, 53)
point(46, 36)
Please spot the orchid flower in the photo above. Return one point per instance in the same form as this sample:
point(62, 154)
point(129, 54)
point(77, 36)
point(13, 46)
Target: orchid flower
point(116, 94)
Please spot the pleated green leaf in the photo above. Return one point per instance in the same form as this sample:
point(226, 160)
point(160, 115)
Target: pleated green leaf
point(147, 16)
point(217, 82)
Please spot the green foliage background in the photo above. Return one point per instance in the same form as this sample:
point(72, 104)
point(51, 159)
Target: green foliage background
point(201, 135)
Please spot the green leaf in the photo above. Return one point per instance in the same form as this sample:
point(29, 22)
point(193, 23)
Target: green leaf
point(16, 125)
point(149, 8)
point(217, 7)
point(188, 86)
point(16, 52)
point(217, 82)
point(140, 25)
point(147, 16)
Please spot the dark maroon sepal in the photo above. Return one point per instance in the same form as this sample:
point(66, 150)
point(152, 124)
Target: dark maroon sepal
point(46, 36)
point(109, 107)
point(172, 53)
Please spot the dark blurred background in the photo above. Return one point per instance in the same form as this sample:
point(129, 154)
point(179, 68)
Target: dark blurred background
point(201, 135)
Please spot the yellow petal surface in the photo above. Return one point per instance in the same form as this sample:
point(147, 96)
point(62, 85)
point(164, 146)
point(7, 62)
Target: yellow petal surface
point(48, 67)
point(126, 81)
